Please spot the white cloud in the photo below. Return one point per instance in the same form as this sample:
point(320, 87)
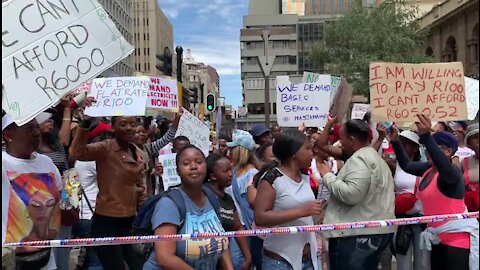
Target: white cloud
point(224, 55)
point(171, 13)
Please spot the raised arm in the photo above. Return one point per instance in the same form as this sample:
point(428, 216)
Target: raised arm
point(64, 134)
point(322, 142)
point(411, 167)
point(168, 137)
point(80, 150)
point(448, 171)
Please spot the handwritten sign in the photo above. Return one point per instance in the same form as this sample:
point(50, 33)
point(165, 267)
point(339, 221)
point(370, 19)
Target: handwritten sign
point(51, 47)
point(122, 96)
point(306, 103)
point(163, 94)
point(310, 77)
point(195, 130)
point(398, 92)
point(359, 110)
point(471, 87)
point(84, 87)
point(170, 176)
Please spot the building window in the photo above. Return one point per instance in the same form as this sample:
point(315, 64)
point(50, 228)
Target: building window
point(256, 108)
point(450, 52)
point(473, 46)
point(145, 65)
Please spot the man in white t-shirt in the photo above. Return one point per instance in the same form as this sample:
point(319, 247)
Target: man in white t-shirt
point(459, 129)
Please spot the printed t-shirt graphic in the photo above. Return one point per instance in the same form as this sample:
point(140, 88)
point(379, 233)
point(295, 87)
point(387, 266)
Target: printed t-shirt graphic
point(33, 212)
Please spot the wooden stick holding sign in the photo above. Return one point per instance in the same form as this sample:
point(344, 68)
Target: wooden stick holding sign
point(399, 92)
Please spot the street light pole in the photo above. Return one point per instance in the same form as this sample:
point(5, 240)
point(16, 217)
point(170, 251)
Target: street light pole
point(266, 63)
point(202, 105)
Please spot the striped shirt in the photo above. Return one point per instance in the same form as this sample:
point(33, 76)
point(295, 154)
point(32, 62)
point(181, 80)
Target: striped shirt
point(59, 158)
point(154, 148)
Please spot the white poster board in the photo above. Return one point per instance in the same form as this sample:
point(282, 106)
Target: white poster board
point(304, 103)
point(359, 110)
point(121, 96)
point(163, 94)
point(471, 88)
point(170, 176)
point(196, 131)
point(51, 47)
point(310, 77)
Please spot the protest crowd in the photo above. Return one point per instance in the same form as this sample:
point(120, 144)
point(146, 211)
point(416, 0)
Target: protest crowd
point(106, 160)
point(82, 176)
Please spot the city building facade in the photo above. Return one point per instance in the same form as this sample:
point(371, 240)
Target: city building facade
point(152, 33)
point(453, 34)
point(121, 13)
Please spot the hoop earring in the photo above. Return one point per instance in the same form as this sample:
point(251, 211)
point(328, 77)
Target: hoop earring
point(26, 213)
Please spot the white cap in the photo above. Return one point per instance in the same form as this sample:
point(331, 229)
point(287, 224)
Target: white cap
point(412, 136)
point(43, 117)
point(6, 121)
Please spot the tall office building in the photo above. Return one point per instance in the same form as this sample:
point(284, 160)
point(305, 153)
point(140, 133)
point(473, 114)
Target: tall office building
point(121, 13)
point(152, 33)
point(317, 7)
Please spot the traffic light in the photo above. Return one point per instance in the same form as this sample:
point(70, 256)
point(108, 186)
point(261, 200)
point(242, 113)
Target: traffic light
point(194, 95)
point(166, 62)
point(211, 103)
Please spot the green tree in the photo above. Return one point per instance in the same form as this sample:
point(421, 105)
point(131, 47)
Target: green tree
point(388, 32)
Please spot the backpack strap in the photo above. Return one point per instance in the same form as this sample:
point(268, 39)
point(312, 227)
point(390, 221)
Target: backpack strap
point(176, 196)
point(213, 199)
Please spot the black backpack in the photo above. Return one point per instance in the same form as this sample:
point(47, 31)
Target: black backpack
point(142, 225)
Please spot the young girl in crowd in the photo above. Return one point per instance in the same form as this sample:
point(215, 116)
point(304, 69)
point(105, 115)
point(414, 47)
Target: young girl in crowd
point(31, 186)
point(219, 177)
point(441, 191)
point(284, 199)
point(244, 169)
point(204, 254)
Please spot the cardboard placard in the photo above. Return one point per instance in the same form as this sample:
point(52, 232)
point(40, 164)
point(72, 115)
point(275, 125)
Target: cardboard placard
point(195, 130)
point(341, 100)
point(398, 92)
point(51, 47)
point(170, 176)
point(304, 103)
point(121, 96)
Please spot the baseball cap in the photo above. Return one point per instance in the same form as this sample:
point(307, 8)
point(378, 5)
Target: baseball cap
point(160, 118)
point(259, 130)
point(410, 135)
point(242, 138)
point(471, 130)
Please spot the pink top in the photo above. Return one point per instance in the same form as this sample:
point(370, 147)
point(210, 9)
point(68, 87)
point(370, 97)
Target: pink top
point(436, 203)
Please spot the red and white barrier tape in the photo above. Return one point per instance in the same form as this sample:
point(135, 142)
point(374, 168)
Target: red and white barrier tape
point(269, 231)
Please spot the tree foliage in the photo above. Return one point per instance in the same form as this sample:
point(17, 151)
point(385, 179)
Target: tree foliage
point(388, 32)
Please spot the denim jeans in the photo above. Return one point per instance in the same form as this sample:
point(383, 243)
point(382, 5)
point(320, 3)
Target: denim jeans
point(360, 252)
point(62, 255)
point(256, 249)
point(235, 254)
point(83, 230)
point(419, 257)
point(273, 264)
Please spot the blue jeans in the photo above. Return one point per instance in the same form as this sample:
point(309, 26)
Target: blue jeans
point(62, 255)
point(82, 230)
point(235, 254)
point(360, 252)
point(256, 249)
point(273, 264)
